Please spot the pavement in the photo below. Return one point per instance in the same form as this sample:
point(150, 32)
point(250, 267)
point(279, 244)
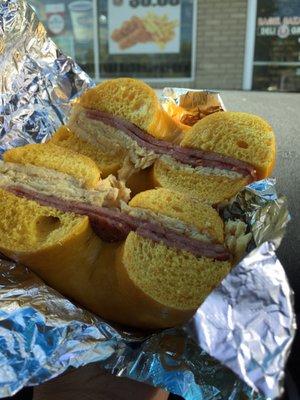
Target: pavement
point(282, 110)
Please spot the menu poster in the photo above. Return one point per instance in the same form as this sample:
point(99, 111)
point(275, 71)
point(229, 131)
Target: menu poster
point(144, 26)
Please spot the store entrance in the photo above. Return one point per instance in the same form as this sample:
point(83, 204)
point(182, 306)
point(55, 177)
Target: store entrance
point(276, 63)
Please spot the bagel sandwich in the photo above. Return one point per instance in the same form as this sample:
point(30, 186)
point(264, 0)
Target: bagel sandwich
point(218, 156)
point(153, 277)
point(148, 264)
point(111, 123)
point(47, 170)
point(55, 158)
point(122, 127)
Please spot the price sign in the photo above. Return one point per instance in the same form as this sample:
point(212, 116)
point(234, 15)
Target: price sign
point(144, 26)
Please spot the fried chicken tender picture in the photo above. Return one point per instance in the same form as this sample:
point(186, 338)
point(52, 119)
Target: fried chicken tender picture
point(151, 28)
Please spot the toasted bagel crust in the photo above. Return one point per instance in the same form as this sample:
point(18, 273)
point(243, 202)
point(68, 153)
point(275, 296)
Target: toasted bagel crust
point(184, 208)
point(211, 189)
point(134, 101)
point(239, 135)
point(49, 155)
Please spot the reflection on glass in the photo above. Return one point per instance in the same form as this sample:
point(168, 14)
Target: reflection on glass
point(146, 39)
point(70, 24)
point(277, 46)
point(273, 78)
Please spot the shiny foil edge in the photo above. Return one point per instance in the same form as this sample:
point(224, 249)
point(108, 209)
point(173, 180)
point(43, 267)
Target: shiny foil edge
point(188, 106)
point(43, 334)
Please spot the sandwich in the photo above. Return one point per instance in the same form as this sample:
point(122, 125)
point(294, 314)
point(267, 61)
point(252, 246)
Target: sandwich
point(212, 160)
point(47, 170)
point(148, 263)
point(112, 122)
point(55, 158)
point(109, 159)
point(218, 156)
point(161, 264)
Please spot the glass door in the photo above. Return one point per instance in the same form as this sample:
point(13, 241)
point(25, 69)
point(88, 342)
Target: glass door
point(277, 46)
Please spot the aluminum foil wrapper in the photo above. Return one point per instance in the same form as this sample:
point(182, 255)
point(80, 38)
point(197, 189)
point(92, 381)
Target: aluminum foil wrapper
point(188, 106)
point(237, 344)
point(37, 81)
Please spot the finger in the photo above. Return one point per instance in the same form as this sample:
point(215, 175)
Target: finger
point(92, 383)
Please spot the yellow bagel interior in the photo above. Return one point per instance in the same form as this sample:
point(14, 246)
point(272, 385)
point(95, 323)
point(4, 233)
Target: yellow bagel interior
point(183, 208)
point(134, 101)
point(172, 277)
point(239, 135)
point(49, 155)
point(209, 188)
point(109, 162)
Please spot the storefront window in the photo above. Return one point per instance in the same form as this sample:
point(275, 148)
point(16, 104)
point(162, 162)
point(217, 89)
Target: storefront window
point(71, 26)
point(147, 39)
point(277, 47)
point(150, 39)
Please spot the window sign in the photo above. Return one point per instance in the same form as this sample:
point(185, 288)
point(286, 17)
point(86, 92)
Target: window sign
point(147, 39)
point(144, 27)
point(277, 45)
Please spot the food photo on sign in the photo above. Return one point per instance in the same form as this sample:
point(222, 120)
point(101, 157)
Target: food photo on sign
point(138, 230)
point(136, 30)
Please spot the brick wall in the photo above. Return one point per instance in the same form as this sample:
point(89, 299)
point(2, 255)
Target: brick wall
point(220, 43)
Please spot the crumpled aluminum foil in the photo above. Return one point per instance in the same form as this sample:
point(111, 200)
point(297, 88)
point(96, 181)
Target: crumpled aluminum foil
point(191, 105)
point(246, 325)
point(37, 81)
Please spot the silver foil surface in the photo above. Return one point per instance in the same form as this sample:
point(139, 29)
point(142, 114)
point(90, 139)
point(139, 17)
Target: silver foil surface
point(191, 105)
point(37, 81)
point(238, 341)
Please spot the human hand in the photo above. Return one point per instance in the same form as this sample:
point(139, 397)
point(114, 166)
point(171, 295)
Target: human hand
point(92, 383)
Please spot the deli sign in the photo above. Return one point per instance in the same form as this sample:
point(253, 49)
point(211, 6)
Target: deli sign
point(283, 27)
